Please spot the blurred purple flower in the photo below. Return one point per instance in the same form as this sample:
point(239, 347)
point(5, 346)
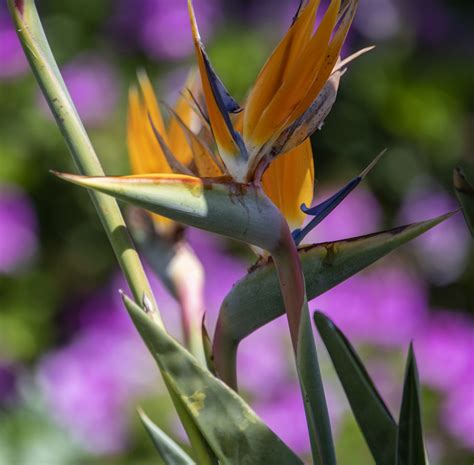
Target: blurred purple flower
point(221, 268)
point(385, 306)
point(284, 414)
point(444, 251)
point(263, 361)
point(12, 58)
point(358, 214)
point(161, 28)
point(91, 382)
point(445, 350)
point(18, 229)
point(433, 21)
point(378, 19)
point(94, 88)
point(458, 411)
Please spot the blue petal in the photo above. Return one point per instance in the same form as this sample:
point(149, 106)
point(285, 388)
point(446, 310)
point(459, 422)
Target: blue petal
point(321, 211)
point(225, 103)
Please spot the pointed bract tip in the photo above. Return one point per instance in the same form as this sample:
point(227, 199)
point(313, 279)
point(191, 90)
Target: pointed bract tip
point(372, 164)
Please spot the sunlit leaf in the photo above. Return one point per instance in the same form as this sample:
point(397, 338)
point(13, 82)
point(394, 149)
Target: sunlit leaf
point(169, 451)
point(373, 417)
point(232, 429)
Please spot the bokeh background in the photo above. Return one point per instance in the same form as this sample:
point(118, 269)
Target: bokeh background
point(72, 369)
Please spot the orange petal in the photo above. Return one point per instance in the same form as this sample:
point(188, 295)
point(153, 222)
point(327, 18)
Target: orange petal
point(331, 57)
point(222, 129)
point(204, 160)
point(176, 137)
point(271, 76)
point(299, 79)
point(289, 182)
point(145, 154)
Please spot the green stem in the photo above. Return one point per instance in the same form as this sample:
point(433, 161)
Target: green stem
point(45, 69)
point(292, 285)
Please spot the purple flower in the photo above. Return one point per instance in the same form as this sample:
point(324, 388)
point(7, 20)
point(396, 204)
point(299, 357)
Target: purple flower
point(443, 252)
point(263, 361)
point(445, 350)
point(378, 19)
point(222, 270)
point(94, 88)
point(458, 411)
point(358, 214)
point(284, 414)
point(91, 382)
point(12, 58)
point(384, 306)
point(161, 27)
point(18, 229)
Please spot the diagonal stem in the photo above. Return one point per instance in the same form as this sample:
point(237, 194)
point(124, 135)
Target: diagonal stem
point(292, 285)
point(45, 69)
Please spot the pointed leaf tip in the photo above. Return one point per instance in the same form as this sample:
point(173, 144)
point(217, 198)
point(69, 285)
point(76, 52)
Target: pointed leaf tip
point(410, 441)
point(169, 450)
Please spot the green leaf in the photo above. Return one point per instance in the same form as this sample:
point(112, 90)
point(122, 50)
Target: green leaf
point(465, 194)
point(372, 415)
point(169, 451)
point(317, 415)
point(410, 442)
point(256, 299)
point(239, 211)
point(232, 429)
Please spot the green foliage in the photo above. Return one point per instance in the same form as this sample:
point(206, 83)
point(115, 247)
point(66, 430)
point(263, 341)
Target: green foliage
point(256, 299)
point(372, 415)
point(231, 428)
point(169, 451)
point(410, 441)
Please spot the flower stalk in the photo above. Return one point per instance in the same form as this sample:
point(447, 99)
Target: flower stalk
point(293, 290)
point(46, 71)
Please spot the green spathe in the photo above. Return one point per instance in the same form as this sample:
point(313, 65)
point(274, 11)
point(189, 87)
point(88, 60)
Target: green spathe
point(239, 211)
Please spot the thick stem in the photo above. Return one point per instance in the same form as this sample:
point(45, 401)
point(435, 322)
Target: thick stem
point(292, 285)
point(45, 69)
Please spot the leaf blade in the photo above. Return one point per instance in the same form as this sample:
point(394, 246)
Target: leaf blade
point(256, 299)
point(231, 428)
point(169, 451)
point(410, 442)
point(372, 415)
